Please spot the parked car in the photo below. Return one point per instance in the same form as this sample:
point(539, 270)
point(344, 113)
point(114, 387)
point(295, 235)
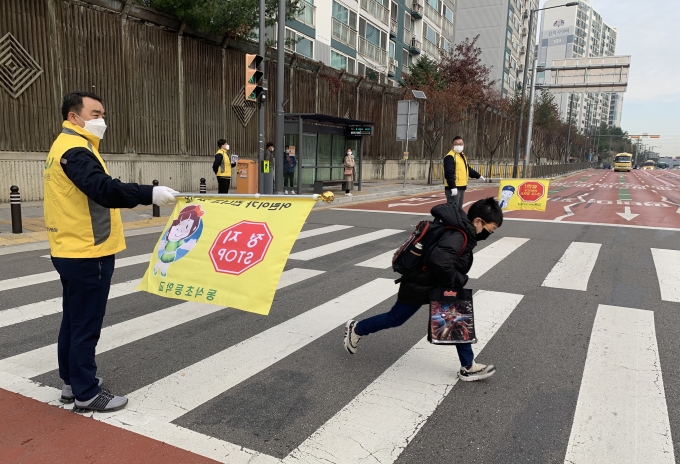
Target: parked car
point(606, 166)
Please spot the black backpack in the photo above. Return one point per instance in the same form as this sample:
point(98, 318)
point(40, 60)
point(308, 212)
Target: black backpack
point(410, 258)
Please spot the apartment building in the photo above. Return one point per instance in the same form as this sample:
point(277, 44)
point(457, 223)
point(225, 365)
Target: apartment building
point(502, 26)
point(579, 32)
point(378, 39)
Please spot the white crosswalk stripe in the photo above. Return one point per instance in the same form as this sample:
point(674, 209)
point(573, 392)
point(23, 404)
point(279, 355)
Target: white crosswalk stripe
point(342, 245)
point(667, 267)
point(487, 258)
point(621, 414)
point(383, 261)
point(573, 269)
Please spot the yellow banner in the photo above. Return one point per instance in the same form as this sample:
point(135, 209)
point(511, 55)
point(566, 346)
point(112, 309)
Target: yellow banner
point(524, 194)
point(226, 251)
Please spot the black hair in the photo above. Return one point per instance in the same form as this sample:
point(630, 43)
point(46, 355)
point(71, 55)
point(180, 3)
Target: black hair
point(457, 137)
point(73, 102)
point(270, 144)
point(221, 142)
point(487, 210)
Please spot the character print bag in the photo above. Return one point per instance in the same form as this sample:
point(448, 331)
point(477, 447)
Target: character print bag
point(452, 319)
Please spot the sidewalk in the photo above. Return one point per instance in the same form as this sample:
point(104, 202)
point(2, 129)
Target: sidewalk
point(141, 217)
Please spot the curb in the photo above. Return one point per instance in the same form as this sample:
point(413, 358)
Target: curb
point(380, 195)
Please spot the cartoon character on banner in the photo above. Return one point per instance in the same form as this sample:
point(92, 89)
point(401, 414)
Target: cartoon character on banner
point(507, 193)
point(180, 238)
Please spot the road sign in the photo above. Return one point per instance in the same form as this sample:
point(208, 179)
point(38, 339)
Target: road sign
point(240, 247)
point(360, 130)
point(531, 191)
point(407, 120)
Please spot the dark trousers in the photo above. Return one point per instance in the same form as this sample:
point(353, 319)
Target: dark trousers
point(85, 283)
point(457, 199)
point(223, 184)
point(395, 317)
point(288, 178)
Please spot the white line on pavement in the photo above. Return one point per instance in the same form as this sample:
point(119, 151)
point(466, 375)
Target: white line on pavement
point(493, 254)
point(667, 263)
point(573, 269)
point(322, 231)
point(341, 245)
point(41, 360)
point(167, 398)
point(382, 261)
point(621, 413)
point(380, 422)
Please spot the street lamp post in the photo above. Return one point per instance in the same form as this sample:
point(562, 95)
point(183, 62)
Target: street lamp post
point(518, 142)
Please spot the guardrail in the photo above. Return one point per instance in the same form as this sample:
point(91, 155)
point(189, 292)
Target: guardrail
point(504, 170)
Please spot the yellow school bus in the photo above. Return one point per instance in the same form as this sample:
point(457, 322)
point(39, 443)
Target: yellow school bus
point(623, 162)
point(649, 165)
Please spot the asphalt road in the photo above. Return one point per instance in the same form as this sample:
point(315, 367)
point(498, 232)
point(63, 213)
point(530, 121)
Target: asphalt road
point(526, 413)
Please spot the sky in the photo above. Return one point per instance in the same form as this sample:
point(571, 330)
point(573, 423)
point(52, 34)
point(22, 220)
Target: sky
point(647, 31)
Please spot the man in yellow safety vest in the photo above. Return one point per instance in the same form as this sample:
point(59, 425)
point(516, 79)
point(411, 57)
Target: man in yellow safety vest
point(456, 173)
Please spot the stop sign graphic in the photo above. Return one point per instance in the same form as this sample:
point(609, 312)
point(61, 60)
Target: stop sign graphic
point(531, 191)
point(240, 247)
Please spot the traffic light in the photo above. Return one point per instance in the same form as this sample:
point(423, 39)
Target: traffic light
point(253, 76)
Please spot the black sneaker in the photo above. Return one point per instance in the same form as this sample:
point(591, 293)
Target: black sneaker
point(476, 372)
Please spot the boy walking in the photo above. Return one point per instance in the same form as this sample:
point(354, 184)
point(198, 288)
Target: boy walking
point(448, 265)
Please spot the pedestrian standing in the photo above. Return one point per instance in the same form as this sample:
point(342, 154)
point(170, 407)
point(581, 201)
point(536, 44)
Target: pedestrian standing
point(85, 231)
point(289, 163)
point(220, 168)
point(448, 265)
point(456, 173)
point(349, 172)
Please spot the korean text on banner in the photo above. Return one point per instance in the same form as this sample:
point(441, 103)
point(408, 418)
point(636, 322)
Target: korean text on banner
point(525, 194)
point(225, 251)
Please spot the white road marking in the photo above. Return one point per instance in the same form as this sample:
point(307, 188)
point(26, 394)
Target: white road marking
point(167, 398)
point(380, 422)
point(568, 210)
point(33, 279)
point(573, 269)
point(33, 363)
point(493, 254)
point(322, 231)
point(341, 245)
point(621, 414)
point(667, 263)
point(382, 261)
point(53, 306)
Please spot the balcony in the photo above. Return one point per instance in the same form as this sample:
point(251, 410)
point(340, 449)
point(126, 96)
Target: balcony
point(413, 43)
point(430, 49)
point(307, 13)
point(345, 34)
point(433, 14)
point(393, 29)
point(376, 9)
point(392, 67)
point(417, 10)
point(372, 52)
point(447, 26)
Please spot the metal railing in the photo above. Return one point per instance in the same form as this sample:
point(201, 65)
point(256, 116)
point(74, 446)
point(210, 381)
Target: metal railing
point(343, 33)
point(376, 9)
point(433, 14)
point(447, 26)
point(372, 52)
point(430, 48)
point(392, 66)
point(393, 26)
point(504, 170)
point(307, 13)
point(417, 9)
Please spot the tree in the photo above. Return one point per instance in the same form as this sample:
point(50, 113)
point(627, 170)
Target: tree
point(234, 19)
point(495, 122)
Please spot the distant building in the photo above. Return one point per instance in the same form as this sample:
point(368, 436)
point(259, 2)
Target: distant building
point(579, 32)
point(502, 26)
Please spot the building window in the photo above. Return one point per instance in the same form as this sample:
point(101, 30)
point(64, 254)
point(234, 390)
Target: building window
point(448, 14)
point(299, 43)
point(447, 46)
point(393, 49)
point(340, 61)
point(406, 60)
point(344, 15)
point(430, 34)
point(513, 62)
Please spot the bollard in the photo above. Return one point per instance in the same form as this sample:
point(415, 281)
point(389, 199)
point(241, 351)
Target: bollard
point(201, 187)
point(15, 206)
point(156, 208)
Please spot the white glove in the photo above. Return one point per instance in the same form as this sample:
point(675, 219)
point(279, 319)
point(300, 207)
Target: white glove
point(163, 196)
point(481, 178)
point(454, 191)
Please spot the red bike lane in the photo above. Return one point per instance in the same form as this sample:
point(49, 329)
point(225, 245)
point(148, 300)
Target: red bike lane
point(636, 198)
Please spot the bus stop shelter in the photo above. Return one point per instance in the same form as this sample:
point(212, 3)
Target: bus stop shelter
point(320, 142)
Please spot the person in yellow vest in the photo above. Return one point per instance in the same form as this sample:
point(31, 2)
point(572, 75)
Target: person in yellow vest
point(456, 173)
point(222, 166)
point(85, 231)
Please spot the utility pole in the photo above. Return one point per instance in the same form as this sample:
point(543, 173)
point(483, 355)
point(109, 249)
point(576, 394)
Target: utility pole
point(280, 71)
point(530, 122)
point(260, 104)
point(566, 154)
point(518, 141)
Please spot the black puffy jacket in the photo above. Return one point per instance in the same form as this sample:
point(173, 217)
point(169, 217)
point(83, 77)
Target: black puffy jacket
point(448, 263)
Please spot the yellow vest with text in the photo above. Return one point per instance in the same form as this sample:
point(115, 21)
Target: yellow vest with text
point(77, 227)
point(225, 168)
point(461, 164)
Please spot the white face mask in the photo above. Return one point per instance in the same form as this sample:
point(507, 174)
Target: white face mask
point(458, 148)
point(349, 152)
point(96, 127)
point(227, 147)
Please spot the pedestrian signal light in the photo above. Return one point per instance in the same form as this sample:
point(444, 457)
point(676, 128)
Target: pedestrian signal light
point(253, 77)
